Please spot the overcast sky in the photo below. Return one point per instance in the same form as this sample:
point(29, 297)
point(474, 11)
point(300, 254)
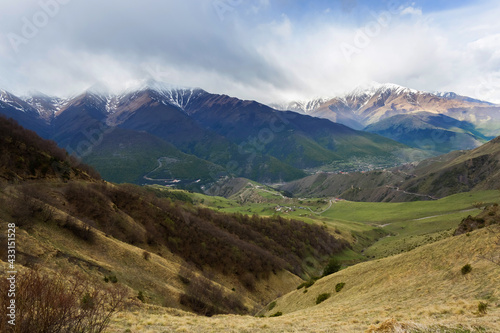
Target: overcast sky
point(266, 50)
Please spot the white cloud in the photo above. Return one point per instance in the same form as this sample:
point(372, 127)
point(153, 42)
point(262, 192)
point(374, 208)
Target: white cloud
point(254, 52)
point(411, 11)
point(279, 29)
point(259, 6)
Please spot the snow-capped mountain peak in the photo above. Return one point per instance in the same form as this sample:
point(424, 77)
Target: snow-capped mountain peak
point(14, 102)
point(46, 105)
point(171, 94)
point(372, 88)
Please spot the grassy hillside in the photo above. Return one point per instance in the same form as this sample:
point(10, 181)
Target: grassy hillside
point(347, 186)
point(424, 286)
point(232, 250)
point(477, 169)
point(420, 291)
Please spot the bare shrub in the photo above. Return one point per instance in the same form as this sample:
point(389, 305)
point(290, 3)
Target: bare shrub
point(208, 299)
point(80, 230)
point(60, 303)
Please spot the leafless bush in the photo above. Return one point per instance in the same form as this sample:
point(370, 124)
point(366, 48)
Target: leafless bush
point(60, 303)
point(25, 209)
point(493, 256)
point(208, 299)
point(80, 230)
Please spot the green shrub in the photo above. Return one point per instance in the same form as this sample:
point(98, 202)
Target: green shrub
point(332, 267)
point(466, 269)
point(339, 286)
point(309, 283)
point(301, 285)
point(482, 307)
point(141, 297)
point(272, 305)
point(322, 297)
point(111, 278)
point(277, 314)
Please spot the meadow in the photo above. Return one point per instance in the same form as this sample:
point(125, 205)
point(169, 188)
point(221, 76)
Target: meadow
point(375, 229)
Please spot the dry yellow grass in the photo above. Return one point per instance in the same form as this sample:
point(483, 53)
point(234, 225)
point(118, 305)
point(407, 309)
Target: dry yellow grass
point(417, 291)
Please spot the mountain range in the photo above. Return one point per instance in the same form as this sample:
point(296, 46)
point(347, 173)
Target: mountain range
point(370, 103)
point(380, 108)
point(159, 133)
point(164, 134)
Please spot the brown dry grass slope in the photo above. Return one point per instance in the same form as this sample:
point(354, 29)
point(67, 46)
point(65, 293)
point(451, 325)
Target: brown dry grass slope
point(423, 290)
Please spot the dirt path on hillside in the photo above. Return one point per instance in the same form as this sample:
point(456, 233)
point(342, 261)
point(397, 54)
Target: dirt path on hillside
point(396, 188)
point(430, 217)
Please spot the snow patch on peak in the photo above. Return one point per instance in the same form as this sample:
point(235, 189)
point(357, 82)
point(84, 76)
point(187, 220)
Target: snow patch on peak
point(171, 94)
point(11, 100)
point(446, 94)
point(44, 103)
point(302, 106)
point(372, 88)
point(165, 93)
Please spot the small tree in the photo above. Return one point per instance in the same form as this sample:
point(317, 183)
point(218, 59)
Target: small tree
point(333, 266)
point(466, 269)
point(339, 286)
point(322, 297)
point(482, 307)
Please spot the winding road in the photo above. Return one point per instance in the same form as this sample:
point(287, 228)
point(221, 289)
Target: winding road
point(405, 192)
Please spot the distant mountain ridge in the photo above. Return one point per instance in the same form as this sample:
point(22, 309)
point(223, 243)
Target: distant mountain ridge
point(433, 132)
point(374, 102)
